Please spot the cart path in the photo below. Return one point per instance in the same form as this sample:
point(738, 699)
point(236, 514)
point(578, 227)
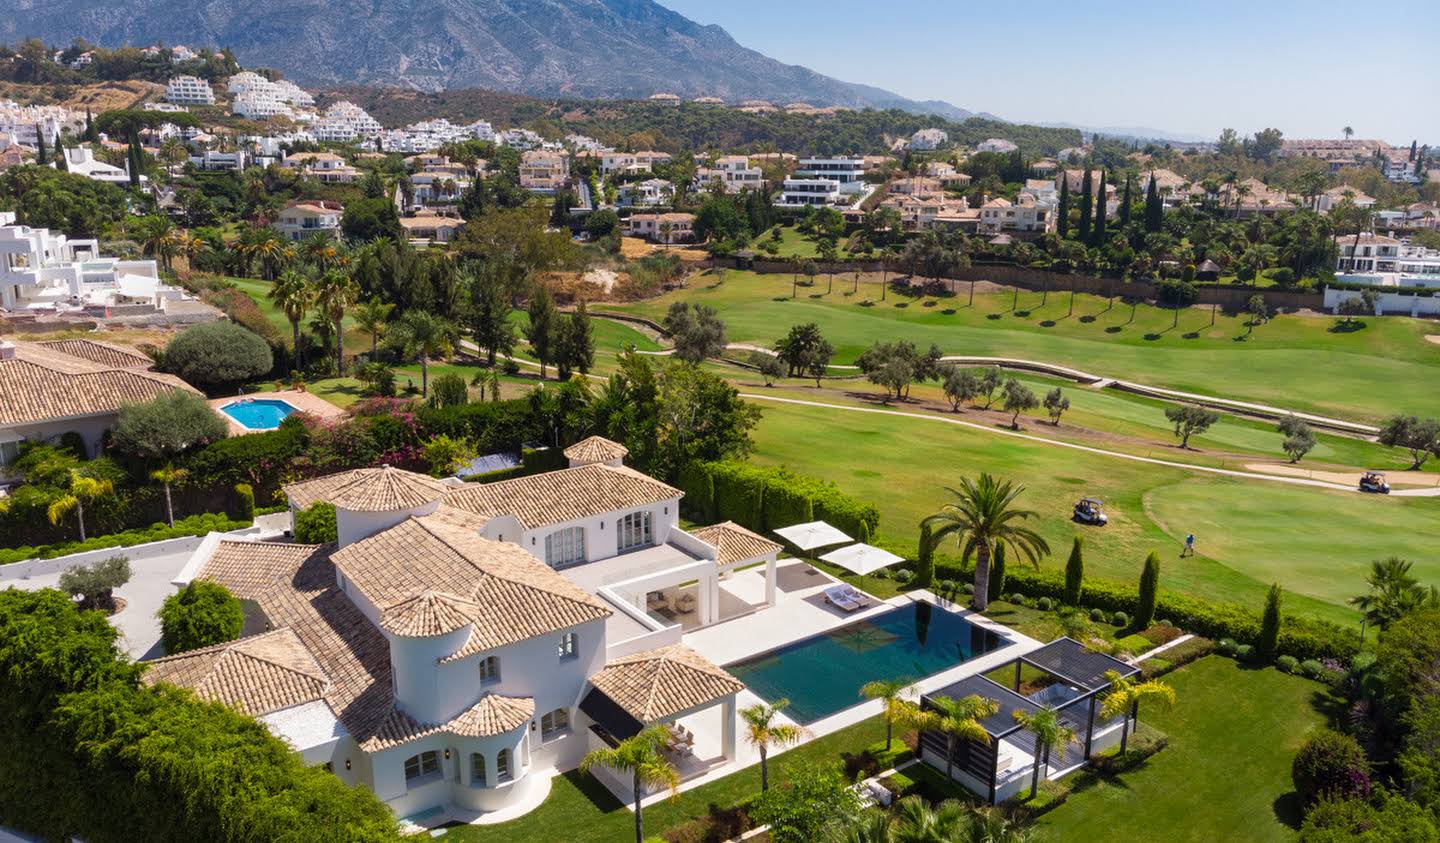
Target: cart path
point(1226, 472)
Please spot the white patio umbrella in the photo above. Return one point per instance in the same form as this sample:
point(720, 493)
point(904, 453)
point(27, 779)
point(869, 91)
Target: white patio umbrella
point(812, 535)
point(862, 558)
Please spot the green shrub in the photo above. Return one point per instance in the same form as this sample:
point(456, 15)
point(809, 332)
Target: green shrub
point(1045, 604)
point(1384, 819)
point(763, 499)
point(1097, 615)
point(1312, 668)
point(167, 425)
point(1120, 619)
point(1178, 656)
point(1330, 764)
point(904, 576)
point(1074, 574)
point(1149, 591)
point(1245, 652)
point(201, 614)
point(217, 354)
point(1284, 276)
point(246, 496)
point(448, 390)
point(316, 525)
point(1287, 664)
point(195, 525)
point(968, 588)
point(1018, 599)
point(1269, 638)
point(1227, 646)
point(949, 586)
point(95, 583)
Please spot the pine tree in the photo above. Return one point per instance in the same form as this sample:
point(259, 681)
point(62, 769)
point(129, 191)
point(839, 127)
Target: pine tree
point(1412, 150)
point(1125, 203)
point(1063, 223)
point(1100, 212)
point(1154, 211)
point(1149, 592)
point(1074, 574)
point(90, 134)
point(40, 157)
point(541, 331)
point(1269, 638)
point(60, 161)
point(1087, 205)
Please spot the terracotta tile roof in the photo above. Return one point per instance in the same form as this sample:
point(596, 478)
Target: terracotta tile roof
point(40, 383)
point(735, 543)
point(596, 449)
point(565, 495)
point(661, 683)
point(383, 489)
point(101, 353)
point(492, 715)
point(257, 675)
point(294, 585)
point(507, 594)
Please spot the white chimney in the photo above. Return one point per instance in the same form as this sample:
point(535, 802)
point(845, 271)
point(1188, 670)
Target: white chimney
point(7, 350)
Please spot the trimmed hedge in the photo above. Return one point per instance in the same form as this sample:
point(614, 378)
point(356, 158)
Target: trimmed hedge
point(195, 525)
point(763, 498)
point(1301, 637)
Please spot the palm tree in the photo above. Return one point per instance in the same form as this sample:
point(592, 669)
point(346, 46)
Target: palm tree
point(990, 825)
point(955, 719)
point(761, 731)
point(373, 317)
point(864, 827)
point(889, 690)
point(82, 489)
point(1050, 732)
point(640, 756)
point(916, 820)
point(1348, 132)
point(1124, 698)
point(294, 294)
point(167, 477)
point(335, 292)
point(423, 334)
point(983, 513)
point(1394, 593)
point(321, 250)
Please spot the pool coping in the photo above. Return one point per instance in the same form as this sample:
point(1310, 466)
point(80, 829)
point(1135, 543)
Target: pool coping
point(248, 399)
point(303, 402)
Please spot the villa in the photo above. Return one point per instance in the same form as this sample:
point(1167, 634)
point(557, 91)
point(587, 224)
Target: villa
point(45, 271)
point(543, 171)
point(647, 194)
point(49, 389)
point(666, 228)
point(302, 219)
point(734, 172)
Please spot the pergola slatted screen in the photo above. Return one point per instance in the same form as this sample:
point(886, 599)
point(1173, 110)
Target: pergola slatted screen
point(1074, 697)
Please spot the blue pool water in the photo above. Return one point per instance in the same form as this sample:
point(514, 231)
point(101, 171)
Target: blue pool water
point(822, 675)
point(259, 414)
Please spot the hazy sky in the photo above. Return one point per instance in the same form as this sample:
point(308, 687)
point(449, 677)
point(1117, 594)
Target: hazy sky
point(1307, 67)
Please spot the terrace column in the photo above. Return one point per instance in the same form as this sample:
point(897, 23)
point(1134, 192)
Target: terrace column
point(727, 728)
point(770, 581)
point(1090, 728)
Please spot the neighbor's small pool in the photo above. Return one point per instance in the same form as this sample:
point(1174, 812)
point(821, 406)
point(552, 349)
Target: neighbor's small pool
point(258, 413)
point(822, 675)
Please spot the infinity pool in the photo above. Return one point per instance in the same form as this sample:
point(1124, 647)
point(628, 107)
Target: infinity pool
point(258, 413)
point(821, 675)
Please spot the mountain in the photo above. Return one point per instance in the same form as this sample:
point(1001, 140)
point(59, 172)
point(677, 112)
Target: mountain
point(573, 48)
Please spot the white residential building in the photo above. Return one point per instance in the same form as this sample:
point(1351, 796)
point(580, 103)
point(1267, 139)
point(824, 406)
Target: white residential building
point(438, 186)
point(43, 270)
point(543, 171)
point(928, 139)
point(668, 228)
point(259, 105)
point(25, 123)
point(81, 161)
point(734, 172)
point(1025, 214)
point(846, 172)
point(460, 645)
point(798, 191)
point(301, 220)
point(189, 90)
point(996, 145)
point(647, 194)
point(630, 162)
point(1386, 262)
point(345, 121)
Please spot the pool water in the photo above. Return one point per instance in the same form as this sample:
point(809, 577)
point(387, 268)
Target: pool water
point(822, 675)
point(258, 414)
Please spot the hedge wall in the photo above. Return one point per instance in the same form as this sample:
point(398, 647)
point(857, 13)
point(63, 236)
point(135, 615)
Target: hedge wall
point(763, 498)
point(93, 754)
point(196, 525)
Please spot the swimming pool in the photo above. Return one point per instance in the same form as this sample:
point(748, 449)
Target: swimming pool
point(821, 675)
point(258, 413)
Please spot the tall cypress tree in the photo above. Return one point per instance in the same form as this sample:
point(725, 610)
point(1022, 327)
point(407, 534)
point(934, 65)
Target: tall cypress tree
point(40, 157)
point(1087, 205)
point(1154, 211)
point(90, 133)
point(1100, 212)
point(1063, 223)
point(1074, 574)
point(60, 162)
point(135, 161)
point(1125, 203)
point(1149, 592)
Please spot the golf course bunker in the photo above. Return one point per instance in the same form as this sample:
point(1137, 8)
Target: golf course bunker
point(1435, 338)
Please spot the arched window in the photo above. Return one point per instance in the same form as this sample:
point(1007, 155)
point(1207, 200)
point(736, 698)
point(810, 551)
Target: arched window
point(489, 670)
point(634, 530)
point(502, 766)
point(477, 770)
point(554, 723)
point(419, 768)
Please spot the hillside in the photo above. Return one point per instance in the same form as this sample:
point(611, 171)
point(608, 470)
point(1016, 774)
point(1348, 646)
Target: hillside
point(569, 48)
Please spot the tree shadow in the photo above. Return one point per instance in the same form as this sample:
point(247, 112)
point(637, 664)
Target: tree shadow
point(1152, 336)
point(1087, 319)
point(1022, 313)
point(1192, 335)
point(1114, 329)
point(1347, 327)
point(1289, 809)
point(993, 316)
point(1048, 323)
point(949, 311)
point(592, 789)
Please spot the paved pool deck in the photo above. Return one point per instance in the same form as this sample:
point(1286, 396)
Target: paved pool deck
point(300, 400)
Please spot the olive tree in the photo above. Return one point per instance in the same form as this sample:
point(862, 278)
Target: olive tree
point(1190, 420)
point(167, 425)
point(95, 584)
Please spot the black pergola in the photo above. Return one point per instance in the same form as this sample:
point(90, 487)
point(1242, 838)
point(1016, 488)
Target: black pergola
point(1080, 679)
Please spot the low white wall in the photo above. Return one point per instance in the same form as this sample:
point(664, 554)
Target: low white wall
point(1392, 303)
point(149, 550)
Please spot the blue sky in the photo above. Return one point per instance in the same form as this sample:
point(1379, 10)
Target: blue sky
point(1308, 68)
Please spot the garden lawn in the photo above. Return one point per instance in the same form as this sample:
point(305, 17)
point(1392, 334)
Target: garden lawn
point(1293, 361)
point(1317, 541)
point(793, 244)
point(1225, 774)
point(580, 809)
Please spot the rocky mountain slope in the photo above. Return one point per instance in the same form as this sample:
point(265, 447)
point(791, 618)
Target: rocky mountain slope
point(581, 48)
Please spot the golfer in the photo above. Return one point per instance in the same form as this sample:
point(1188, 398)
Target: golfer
point(1189, 546)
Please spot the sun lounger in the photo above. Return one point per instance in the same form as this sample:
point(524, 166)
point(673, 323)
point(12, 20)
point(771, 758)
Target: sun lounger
point(856, 596)
point(840, 597)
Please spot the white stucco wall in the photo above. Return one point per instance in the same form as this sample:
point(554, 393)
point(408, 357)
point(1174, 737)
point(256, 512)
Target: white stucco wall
point(353, 526)
point(91, 428)
point(600, 532)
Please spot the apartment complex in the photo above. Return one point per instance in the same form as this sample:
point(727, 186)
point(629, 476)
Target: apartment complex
point(44, 270)
point(189, 90)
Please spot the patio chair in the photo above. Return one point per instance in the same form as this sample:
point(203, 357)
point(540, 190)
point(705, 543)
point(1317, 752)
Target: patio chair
point(686, 603)
point(839, 597)
point(856, 595)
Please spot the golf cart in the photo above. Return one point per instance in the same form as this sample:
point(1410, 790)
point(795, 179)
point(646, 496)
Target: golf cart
point(1374, 482)
point(1091, 511)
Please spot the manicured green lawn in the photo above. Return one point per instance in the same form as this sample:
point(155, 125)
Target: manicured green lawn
point(1225, 774)
point(579, 809)
point(1250, 533)
point(792, 243)
point(1296, 361)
